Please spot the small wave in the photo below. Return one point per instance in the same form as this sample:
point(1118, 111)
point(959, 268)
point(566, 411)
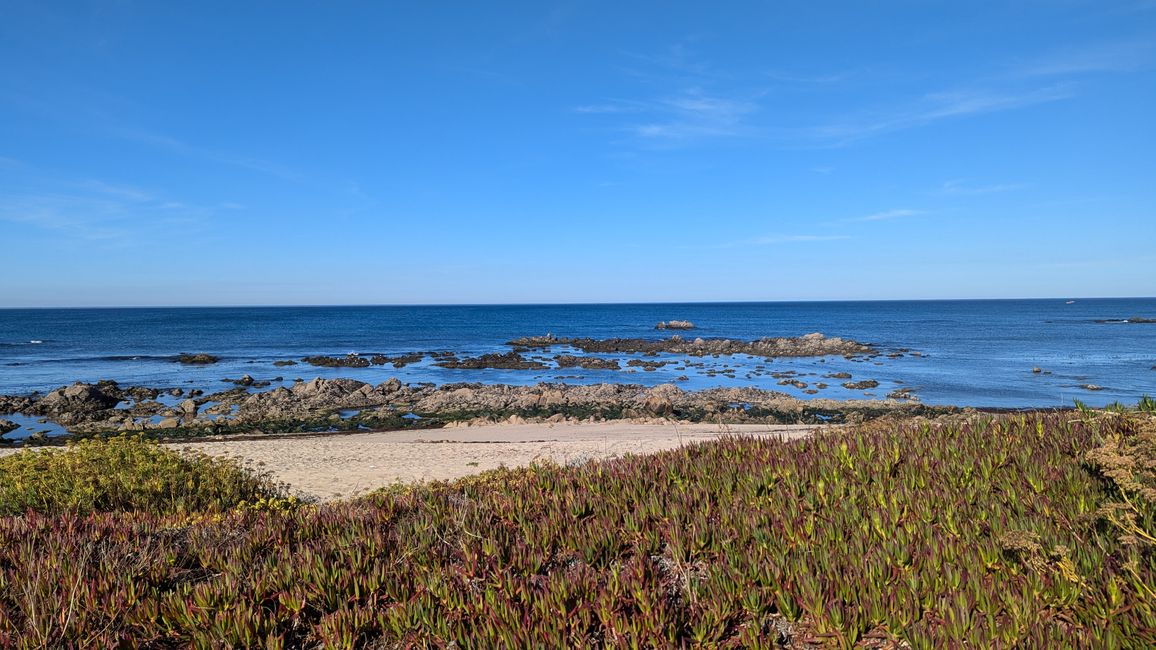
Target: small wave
point(6, 344)
point(130, 357)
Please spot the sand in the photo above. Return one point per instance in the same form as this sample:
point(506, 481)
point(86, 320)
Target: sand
point(343, 465)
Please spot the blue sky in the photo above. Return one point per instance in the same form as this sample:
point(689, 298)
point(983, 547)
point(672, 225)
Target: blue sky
point(159, 153)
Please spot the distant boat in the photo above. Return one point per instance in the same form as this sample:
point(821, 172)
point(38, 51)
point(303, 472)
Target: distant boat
point(1070, 302)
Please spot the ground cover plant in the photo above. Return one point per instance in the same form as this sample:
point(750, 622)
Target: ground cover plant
point(1027, 530)
point(127, 474)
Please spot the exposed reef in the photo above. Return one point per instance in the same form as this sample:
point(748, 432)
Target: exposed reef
point(508, 361)
point(335, 404)
point(589, 363)
point(347, 361)
point(200, 359)
point(810, 345)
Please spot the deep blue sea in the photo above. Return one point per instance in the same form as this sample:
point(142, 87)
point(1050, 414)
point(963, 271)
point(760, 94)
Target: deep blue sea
point(978, 353)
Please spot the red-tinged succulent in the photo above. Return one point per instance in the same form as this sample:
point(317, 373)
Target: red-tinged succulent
point(1025, 530)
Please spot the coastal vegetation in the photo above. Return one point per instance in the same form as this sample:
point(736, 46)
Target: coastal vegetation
point(1034, 530)
point(126, 474)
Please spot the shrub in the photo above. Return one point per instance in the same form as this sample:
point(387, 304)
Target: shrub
point(126, 474)
point(980, 533)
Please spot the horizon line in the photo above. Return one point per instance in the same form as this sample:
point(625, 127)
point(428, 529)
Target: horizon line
point(572, 304)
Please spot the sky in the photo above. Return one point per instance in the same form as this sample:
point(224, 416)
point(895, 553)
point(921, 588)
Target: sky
point(292, 152)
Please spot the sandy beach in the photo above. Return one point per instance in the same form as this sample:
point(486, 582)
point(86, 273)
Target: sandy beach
point(343, 465)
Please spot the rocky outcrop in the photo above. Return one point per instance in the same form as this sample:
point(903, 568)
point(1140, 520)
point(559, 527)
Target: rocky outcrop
point(200, 359)
point(648, 366)
point(675, 325)
point(589, 363)
point(347, 361)
point(93, 407)
point(811, 345)
point(399, 361)
point(79, 398)
point(860, 385)
point(508, 361)
point(316, 396)
point(7, 426)
point(14, 404)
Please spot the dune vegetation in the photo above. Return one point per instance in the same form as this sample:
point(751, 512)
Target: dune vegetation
point(1033, 530)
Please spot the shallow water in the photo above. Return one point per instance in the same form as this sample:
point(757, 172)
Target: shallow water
point(974, 352)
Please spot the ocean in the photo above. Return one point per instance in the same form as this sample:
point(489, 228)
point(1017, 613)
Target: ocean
point(972, 352)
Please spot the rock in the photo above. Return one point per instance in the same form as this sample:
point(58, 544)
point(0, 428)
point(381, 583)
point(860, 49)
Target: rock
point(348, 361)
point(508, 361)
point(1037, 370)
point(189, 408)
point(79, 399)
point(200, 359)
point(398, 361)
point(14, 404)
point(814, 344)
point(7, 426)
point(285, 362)
point(589, 363)
point(1091, 387)
point(168, 423)
point(648, 366)
point(175, 392)
point(675, 325)
point(838, 375)
point(860, 385)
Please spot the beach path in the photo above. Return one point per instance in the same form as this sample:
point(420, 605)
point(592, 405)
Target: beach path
point(343, 465)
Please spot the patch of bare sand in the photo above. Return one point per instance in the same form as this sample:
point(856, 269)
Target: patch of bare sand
point(343, 465)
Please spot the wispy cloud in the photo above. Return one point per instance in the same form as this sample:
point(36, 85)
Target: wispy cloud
point(99, 212)
point(183, 148)
point(888, 215)
point(959, 186)
point(771, 240)
point(1124, 56)
point(685, 101)
point(688, 115)
point(808, 80)
point(930, 108)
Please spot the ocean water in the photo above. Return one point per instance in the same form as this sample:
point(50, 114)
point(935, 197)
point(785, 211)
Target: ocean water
point(977, 353)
